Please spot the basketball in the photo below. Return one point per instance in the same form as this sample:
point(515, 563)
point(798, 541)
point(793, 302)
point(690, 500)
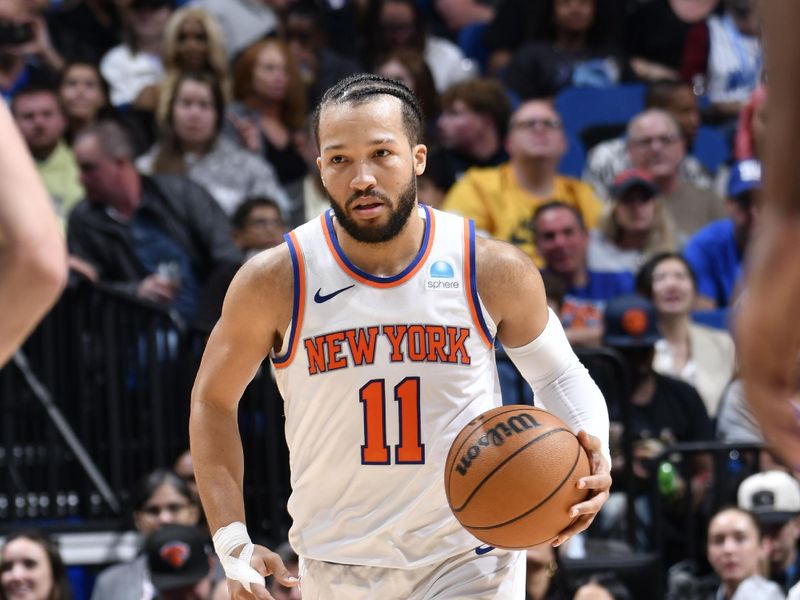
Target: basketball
point(511, 476)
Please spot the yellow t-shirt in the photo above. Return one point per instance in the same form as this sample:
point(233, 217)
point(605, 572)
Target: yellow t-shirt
point(493, 198)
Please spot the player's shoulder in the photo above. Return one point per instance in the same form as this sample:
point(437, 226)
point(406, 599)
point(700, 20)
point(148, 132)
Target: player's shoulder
point(267, 275)
point(501, 268)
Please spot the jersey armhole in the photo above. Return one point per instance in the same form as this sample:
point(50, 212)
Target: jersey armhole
point(471, 285)
point(298, 301)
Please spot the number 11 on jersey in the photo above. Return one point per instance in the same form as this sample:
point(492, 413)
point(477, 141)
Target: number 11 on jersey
point(375, 451)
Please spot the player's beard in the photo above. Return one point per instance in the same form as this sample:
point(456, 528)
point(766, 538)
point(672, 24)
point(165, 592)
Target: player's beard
point(376, 234)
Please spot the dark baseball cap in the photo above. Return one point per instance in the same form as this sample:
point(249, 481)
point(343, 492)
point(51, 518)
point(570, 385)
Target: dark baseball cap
point(745, 177)
point(630, 322)
point(177, 556)
point(630, 178)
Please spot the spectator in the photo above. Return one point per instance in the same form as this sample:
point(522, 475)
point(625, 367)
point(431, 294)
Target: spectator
point(161, 498)
point(157, 237)
point(458, 14)
point(656, 146)
point(701, 356)
point(408, 66)
point(83, 94)
point(270, 109)
point(191, 144)
point(31, 567)
point(184, 468)
point(471, 128)
point(562, 241)
point(661, 411)
point(26, 55)
point(774, 499)
point(656, 33)
point(243, 22)
point(292, 563)
point(502, 200)
point(542, 579)
point(633, 227)
point(735, 549)
point(257, 225)
point(134, 69)
point(717, 250)
point(39, 116)
point(725, 52)
point(193, 41)
point(575, 48)
point(180, 563)
point(394, 24)
point(85, 31)
point(608, 159)
point(320, 66)
point(602, 586)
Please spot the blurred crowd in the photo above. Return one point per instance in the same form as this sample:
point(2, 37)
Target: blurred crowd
point(175, 140)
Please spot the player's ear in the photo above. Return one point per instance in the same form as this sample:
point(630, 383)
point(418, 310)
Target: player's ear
point(420, 152)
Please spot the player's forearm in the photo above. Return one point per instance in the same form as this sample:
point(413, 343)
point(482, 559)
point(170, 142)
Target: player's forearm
point(218, 458)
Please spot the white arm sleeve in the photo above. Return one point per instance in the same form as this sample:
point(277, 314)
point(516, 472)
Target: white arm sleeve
point(561, 384)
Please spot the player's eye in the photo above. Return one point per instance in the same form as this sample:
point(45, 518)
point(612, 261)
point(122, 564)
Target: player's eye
point(383, 152)
point(336, 160)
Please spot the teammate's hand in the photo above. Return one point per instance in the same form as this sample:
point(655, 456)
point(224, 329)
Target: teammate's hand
point(266, 562)
point(599, 482)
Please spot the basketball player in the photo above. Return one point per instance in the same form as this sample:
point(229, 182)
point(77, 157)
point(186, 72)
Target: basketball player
point(33, 265)
point(379, 318)
point(768, 332)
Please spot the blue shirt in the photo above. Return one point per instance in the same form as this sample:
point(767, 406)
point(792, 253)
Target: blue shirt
point(716, 260)
point(583, 306)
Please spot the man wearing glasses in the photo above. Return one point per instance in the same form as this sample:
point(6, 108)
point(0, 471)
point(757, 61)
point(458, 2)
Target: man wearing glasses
point(502, 200)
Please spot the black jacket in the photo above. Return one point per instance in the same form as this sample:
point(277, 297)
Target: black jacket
point(185, 211)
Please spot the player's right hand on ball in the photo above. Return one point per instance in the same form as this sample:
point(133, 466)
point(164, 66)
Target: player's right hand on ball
point(267, 563)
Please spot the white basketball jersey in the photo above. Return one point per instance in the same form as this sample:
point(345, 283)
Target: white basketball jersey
point(378, 376)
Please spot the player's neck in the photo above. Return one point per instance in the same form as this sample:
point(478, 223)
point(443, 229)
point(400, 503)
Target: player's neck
point(385, 259)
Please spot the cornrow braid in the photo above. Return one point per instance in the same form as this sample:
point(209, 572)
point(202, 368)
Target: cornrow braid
point(358, 89)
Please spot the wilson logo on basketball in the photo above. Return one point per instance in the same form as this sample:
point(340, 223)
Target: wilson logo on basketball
point(496, 436)
point(634, 321)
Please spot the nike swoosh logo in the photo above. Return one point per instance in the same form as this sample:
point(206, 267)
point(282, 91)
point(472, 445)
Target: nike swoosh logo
point(319, 298)
point(483, 549)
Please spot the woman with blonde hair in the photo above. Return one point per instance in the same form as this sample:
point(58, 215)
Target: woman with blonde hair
point(633, 227)
point(193, 41)
point(270, 108)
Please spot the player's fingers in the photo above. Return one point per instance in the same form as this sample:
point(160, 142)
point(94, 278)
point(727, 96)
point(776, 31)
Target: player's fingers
point(599, 481)
point(238, 592)
point(579, 525)
point(590, 506)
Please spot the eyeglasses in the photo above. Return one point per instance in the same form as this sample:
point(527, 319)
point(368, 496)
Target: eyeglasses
point(527, 124)
point(662, 140)
point(264, 223)
point(631, 199)
point(172, 508)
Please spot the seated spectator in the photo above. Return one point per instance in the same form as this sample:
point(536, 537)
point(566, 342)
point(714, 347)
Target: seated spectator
point(193, 41)
point(717, 250)
point(699, 355)
point(773, 497)
point(39, 117)
point(471, 128)
point(31, 567)
point(184, 468)
point(270, 108)
point(656, 34)
point(243, 22)
point(575, 49)
point(292, 563)
point(655, 145)
point(85, 31)
point(632, 228)
point(134, 69)
point(157, 237)
point(735, 550)
point(602, 586)
point(190, 143)
point(180, 563)
point(83, 95)
point(408, 66)
point(608, 159)
point(160, 498)
point(725, 51)
point(27, 57)
point(542, 579)
point(393, 24)
point(661, 412)
point(562, 239)
point(320, 66)
point(501, 200)
point(257, 225)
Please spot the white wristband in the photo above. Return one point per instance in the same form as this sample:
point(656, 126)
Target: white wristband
point(226, 540)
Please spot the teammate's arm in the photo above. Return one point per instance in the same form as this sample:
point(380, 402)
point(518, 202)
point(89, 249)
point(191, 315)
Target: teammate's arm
point(512, 290)
point(768, 341)
point(255, 313)
point(33, 259)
